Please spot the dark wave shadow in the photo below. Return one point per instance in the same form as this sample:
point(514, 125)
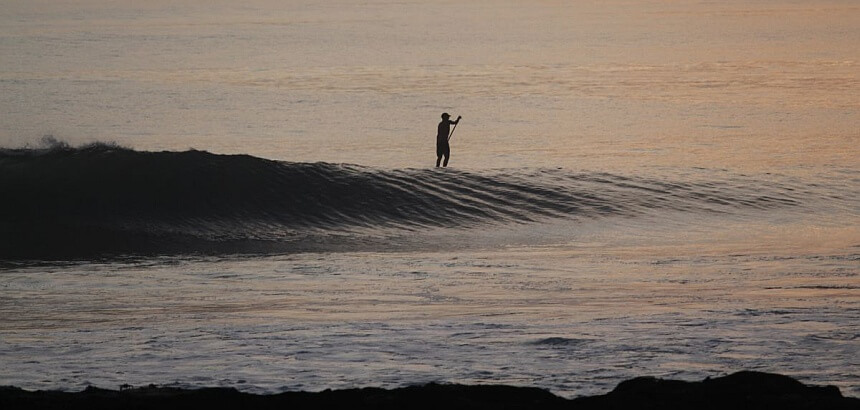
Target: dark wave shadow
point(102, 198)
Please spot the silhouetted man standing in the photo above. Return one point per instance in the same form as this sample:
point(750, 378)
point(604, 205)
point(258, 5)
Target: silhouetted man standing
point(442, 147)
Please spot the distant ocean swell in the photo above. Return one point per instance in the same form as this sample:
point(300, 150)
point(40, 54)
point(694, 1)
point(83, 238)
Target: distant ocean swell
point(105, 199)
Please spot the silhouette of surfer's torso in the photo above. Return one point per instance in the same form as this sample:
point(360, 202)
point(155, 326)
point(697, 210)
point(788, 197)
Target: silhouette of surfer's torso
point(444, 130)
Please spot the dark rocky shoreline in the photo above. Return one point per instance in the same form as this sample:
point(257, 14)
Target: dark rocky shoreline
point(742, 390)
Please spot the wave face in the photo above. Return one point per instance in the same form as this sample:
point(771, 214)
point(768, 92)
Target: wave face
point(105, 199)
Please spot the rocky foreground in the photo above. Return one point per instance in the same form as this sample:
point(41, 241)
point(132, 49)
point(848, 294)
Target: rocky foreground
point(743, 390)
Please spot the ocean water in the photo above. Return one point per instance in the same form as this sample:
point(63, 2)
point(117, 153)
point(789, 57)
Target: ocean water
point(242, 193)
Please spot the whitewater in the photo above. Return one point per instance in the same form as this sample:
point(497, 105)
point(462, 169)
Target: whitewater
point(242, 194)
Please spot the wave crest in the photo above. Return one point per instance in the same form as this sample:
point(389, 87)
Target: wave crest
point(136, 200)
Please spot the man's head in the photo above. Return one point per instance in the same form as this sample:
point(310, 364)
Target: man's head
point(445, 116)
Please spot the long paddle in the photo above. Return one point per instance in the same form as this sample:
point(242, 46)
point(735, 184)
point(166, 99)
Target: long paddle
point(452, 129)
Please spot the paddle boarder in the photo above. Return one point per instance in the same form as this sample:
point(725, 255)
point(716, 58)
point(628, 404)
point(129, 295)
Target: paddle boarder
point(443, 134)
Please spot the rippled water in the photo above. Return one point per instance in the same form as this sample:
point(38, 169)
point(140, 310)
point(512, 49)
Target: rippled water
point(619, 301)
point(639, 188)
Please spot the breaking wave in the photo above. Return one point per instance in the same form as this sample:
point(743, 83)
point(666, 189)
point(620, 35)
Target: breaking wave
point(102, 198)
